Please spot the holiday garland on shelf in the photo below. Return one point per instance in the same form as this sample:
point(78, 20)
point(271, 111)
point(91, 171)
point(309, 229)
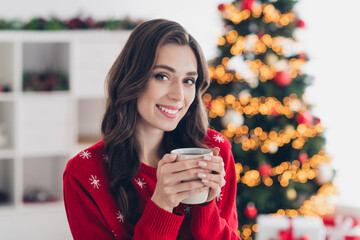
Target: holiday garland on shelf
point(76, 23)
point(256, 99)
point(58, 81)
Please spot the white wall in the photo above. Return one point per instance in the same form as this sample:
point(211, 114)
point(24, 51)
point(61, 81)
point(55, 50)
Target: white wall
point(332, 42)
point(331, 39)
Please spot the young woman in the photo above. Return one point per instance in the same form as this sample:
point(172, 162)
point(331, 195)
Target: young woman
point(128, 186)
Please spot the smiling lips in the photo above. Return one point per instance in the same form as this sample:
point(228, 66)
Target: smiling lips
point(168, 111)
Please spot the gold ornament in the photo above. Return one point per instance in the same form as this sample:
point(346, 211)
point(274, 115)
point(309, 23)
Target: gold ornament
point(291, 194)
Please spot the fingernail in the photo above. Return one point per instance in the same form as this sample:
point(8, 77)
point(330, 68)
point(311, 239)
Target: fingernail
point(201, 175)
point(205, 181)
point(172, 155)
point(218, 148)
point(202, 164)
point(207, 157)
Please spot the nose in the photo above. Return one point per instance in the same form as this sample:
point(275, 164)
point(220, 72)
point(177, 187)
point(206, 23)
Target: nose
point(176, 91)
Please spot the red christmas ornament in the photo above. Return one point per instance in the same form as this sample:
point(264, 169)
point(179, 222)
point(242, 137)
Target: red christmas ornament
point(260, 34)
point(250, 211)
point(304, 118)
point(282, 79)
point(247, 4)
point(265, 169)
point(302, 56)
point(301, 23)
point(317, 120)
point(303, 157)
point(274, 112)
point(208, 105)
point(221, 7)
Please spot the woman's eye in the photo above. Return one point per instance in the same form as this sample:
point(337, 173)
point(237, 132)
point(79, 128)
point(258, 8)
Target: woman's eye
point(161, 76)
point(190, 81)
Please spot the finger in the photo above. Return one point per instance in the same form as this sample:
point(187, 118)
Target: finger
point(216, 167)
point(215, 150)
point(184, 186)
point(189, 174)
point(212, 178)
point(180, 166)
point(214, 187)
point(167, 158)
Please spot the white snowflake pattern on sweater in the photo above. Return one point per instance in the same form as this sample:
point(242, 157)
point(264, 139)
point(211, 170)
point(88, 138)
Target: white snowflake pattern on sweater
point(105, 158)
point(141, 182)
point(94, 181)
point(120, 217)
point(85, 154)
point(219, 138)
point(187, 209)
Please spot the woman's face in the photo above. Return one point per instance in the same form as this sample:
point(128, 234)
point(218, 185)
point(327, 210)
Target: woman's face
point(171, 88)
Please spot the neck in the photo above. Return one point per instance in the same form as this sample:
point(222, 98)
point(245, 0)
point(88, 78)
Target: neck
point(150, 143)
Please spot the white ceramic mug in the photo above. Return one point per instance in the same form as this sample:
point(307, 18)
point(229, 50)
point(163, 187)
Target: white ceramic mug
point(193, 153)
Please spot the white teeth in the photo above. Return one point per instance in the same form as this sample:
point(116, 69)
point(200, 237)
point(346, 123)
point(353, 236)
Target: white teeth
point(168, 110)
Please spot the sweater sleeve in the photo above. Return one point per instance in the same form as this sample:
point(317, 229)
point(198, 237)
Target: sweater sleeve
point(218, 219)
point(85, 219)
point(156, 223)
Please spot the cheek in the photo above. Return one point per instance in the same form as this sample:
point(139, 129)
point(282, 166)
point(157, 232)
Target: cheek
point(190, 96)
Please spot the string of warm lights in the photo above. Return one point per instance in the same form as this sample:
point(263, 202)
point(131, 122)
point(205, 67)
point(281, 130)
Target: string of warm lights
point(270, 14)
point(286, 171)
point(270, 141)
point(246, 104)
point(259, 69)
point(252, 43)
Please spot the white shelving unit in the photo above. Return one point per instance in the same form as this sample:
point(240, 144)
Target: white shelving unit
point(41, 130)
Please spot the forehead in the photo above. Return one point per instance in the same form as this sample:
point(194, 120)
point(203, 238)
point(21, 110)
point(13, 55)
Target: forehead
point(180, 57)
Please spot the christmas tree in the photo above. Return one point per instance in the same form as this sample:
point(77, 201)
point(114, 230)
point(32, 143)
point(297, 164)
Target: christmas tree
point(257, 101)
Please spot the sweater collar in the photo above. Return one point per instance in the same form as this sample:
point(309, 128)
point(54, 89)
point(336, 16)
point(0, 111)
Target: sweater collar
point(151, 171)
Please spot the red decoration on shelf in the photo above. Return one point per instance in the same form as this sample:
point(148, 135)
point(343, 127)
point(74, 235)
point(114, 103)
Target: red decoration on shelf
point(301, 23)
point(221, 7)
point(265, 169)
point(247, 4)
point(250, 211)
point(303, 157)
point(76, 23)
point(304, 118)
point(317, 120)
point(282, 79)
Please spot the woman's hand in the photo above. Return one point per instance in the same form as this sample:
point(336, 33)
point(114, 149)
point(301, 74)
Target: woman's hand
point(170, 189)
point(215, 178)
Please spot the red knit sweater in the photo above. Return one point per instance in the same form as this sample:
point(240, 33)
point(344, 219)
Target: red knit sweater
point(93, 212)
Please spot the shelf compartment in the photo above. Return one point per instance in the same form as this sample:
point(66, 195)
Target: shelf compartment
point(7, 125)
point(6, 67)
point(46, 66)
point(43, 179)
point(45, 124)
point(6, 182)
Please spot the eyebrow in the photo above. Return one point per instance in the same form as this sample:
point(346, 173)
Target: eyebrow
point(173, 70)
